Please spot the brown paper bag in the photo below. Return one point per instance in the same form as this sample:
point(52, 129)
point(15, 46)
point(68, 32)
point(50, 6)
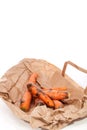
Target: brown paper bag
point(12, 88)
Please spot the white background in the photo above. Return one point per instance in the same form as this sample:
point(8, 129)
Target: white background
point(53, 30)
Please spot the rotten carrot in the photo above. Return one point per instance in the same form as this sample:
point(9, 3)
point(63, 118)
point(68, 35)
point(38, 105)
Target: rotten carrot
point(46, 99)
point(26, 101)
point(57, 95)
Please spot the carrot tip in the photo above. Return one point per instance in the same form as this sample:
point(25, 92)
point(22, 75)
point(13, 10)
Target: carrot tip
point(24, 109)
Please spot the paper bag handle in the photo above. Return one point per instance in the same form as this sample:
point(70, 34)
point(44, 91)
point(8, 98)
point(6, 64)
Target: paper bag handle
point(74, 65)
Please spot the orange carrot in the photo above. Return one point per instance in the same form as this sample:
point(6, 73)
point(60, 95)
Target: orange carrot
point(56, 95)
point(46, 99)
point(57, 104)
point(56, 88)
point(33, 78)
point(33, 90)
point(26, 101)
point(62, 88)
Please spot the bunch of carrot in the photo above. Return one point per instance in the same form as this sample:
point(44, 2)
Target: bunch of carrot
point(52, 97)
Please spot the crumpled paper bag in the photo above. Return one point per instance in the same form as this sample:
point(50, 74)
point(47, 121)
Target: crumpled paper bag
point(12, 88)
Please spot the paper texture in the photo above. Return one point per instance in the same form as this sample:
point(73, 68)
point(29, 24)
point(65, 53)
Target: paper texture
point(12, 88)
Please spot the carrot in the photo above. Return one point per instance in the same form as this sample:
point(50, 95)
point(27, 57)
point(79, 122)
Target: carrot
point(33, 90)
point(33, 78)
point(46, 99)
point(62, 88)
point(56, 88)
point(37, 92)
point(26, 101)
point(48, 96)
point(57, 104)
point(56, 95)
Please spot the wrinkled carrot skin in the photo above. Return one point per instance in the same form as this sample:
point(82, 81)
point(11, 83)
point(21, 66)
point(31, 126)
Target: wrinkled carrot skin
point(37, 92)
point(63, 88)
point(57, 104)
point(33, 91)
point(26, 101)
point(56, 95)
point(32, 80)
point(47, 100)
point(56, 88)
